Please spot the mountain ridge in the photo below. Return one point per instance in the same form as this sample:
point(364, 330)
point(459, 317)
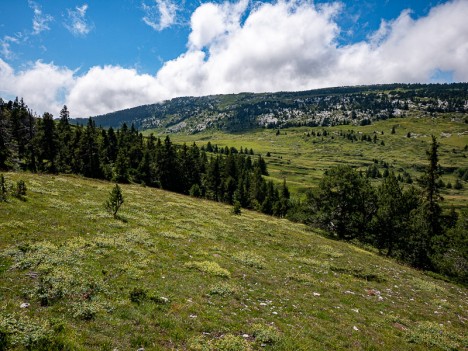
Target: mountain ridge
point(321, 107)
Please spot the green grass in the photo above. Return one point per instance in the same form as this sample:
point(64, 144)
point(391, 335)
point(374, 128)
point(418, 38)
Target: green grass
point(302, 160)
point(185, 274)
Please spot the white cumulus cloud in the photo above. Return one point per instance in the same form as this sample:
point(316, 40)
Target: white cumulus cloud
point(211, 22)
point(110, 88)
point(160, 16)
point(77, 23)
point(257, 47)
point(43, 86)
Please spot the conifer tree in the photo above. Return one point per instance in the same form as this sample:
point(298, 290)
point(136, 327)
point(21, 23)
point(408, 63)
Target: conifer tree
point(236, 209)
point(346, 203)
point(4, 136)
point(88, 152)
point(430, 185)
point(389, 216)
point(167, 166)
point(426, 220)
point(20, 189)
point(3, 188)
point(115, 200)
point(121, 167)
point(46, 143)
point(213, 179)
point(64, 132)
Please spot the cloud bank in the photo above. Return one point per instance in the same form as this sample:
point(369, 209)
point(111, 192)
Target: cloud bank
point(285, 45)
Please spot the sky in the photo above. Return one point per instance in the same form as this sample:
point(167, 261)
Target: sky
point(99, 56)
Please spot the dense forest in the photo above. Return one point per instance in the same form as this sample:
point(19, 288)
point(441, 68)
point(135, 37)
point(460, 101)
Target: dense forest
point(226, 175)
point(407, 223)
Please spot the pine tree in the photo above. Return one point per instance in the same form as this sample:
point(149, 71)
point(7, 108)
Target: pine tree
point(121, 167)
point(426, 220)
point(346, 202)
point(20, 189)
point(3, 188)
point(5, 136)
point(167, 166)
point(88, 152)
point(430, 185)
point(46, 143)
point(64, 155)
point(389, 216)
point(213, 179)
point(115, 200)
point(236, 209)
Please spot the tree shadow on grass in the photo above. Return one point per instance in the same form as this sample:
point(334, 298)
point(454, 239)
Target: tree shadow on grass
point(121, 218)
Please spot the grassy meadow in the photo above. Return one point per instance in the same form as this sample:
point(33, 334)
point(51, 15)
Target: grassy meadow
point(178, 273)
point(302, 160)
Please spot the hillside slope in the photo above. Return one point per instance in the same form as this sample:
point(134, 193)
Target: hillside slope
point(179, 273)
point(301, 155)
point(322, 107)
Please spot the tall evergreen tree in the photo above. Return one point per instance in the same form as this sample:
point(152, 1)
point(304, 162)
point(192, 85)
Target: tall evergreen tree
point(46, 143)
point(427, 218)
point(4, 136)
point(389, 219)
point(88, 152)
point(213, 179)
point(167, 166)
point(64, 132)
point(431, 188)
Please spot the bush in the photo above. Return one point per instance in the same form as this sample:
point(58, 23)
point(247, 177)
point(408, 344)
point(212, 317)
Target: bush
point(195, 191)
point(209, 267)
point(228, 342)
point(265, 334)
point(250, 259)
point(138, 295)
point(458, 185)
point(237, 208)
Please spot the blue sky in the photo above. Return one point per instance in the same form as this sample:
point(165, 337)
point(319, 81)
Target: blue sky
point(100, 56)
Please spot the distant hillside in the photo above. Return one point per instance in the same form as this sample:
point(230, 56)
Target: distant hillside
point(323, 107)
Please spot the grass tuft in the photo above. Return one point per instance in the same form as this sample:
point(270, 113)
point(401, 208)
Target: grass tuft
point(209, 267)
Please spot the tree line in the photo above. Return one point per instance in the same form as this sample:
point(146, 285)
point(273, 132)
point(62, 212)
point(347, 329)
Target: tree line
point(125, 155)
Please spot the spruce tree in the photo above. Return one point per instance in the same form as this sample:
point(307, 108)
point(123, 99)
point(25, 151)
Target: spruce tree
point(430, 185)
point(389, 216)
point(20, 189)
point(115, 200)
point(346, 203)
point(426, 220)
point(5, 136)
point(64, 155)
point(46, 143)
point(3, 189)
